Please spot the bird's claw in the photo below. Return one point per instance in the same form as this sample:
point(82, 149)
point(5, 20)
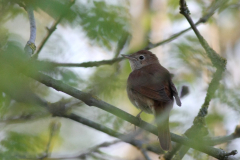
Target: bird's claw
point(139, 119)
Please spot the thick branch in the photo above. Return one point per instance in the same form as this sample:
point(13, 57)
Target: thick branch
point(198, 129)
point(94, 101)
point(206, 149)
point(125, 138)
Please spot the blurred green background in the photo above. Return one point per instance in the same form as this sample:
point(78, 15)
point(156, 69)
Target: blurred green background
point(95, 30)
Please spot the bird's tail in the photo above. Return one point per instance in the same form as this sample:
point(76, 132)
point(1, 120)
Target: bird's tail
point(164, 134)
point(162, 120)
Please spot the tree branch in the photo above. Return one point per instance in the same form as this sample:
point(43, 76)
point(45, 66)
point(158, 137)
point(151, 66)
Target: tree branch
point(198, 128)
point(217, 153)
point(169, 155)
point(144, 152)
point(125, 138)
point(94, 101)
point(213, 7)
point(120, 45)
point(54, 129)
point(96, 148)
point(30, 46)
point(203, 19)
point(217, 61)
point(51, 30)
point(85, 64)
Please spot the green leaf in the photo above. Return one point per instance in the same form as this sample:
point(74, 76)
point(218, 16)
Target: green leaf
point(104, 24)
point(17, 144)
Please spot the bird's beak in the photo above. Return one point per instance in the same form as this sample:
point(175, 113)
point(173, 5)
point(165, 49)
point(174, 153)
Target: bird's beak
point(127, 56)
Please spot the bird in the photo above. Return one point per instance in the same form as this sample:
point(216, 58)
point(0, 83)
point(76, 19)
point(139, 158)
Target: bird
point(150, 89)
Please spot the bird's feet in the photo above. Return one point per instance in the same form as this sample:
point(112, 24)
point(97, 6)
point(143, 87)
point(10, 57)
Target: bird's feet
point(139, 118)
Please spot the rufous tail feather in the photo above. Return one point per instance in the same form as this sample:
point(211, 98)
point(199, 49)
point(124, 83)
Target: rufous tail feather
point(164, 135)
point(162, 111)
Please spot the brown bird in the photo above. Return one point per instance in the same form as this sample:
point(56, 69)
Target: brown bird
point(151, 90)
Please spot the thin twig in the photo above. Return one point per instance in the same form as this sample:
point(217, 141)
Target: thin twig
point(85, 64)
point(218, 140)
point(232, 153)
point(181, 153)
point(213, 7)
point(96, 148)
point(144, 152)
point(217, 60)
point(30, 46)
point(54, 128)
point(50, 31)
point(123, 40)
point(33, 28)
point(170, 154)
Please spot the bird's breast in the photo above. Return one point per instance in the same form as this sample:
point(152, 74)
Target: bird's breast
point(139, 101)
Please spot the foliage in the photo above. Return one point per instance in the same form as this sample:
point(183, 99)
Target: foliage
point(20, 144)
point(104, 25)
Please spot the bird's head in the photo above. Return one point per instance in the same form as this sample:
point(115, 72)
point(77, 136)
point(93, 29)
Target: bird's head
point(141, 58)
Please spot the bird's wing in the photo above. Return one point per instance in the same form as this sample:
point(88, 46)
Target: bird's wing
point(149, 86)
point(175, 93)
point(158, 94)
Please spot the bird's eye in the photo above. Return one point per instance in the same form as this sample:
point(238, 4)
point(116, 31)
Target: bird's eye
point(141, 57)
